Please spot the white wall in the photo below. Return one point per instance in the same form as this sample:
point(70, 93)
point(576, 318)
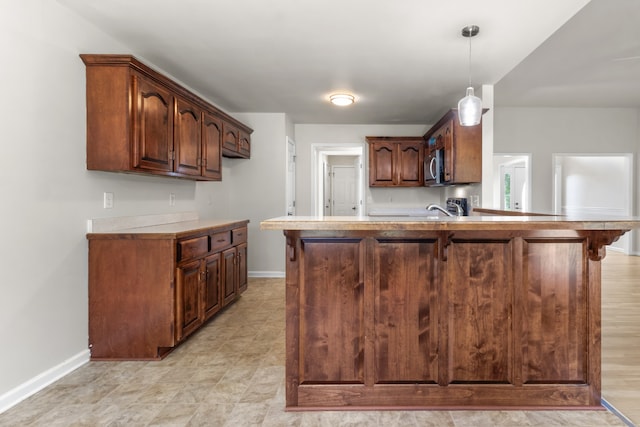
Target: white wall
point(308, 134)
point(544, 131)
point(254, 189)
point(48, 195)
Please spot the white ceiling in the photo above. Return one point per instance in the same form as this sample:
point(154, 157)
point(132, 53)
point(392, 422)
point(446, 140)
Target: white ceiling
point(405, 60)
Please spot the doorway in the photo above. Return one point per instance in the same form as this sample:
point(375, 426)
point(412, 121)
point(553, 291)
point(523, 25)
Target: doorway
point(599, 184)
point(342, 190)
point(291, 177)
point(511, 182)
point(348, 160)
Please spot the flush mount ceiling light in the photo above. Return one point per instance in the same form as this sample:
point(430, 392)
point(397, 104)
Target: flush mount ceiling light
point(470, 107)
point(342, 99)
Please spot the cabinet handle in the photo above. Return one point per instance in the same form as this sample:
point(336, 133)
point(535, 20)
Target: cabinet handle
point(433, 174)
point(220, 240)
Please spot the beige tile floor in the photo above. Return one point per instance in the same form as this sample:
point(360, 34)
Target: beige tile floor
point(231, 373)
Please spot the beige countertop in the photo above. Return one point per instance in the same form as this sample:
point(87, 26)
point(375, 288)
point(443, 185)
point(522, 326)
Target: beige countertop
point(476, 222)
point(174, 229)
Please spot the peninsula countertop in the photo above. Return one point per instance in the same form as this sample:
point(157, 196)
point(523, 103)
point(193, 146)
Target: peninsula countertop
point(444, 223)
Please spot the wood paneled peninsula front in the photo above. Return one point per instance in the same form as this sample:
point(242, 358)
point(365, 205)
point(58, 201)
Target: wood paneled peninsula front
point(461, 312)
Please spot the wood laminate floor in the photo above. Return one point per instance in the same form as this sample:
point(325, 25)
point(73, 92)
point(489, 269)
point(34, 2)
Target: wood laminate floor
point(621, 333)
point(231, 373)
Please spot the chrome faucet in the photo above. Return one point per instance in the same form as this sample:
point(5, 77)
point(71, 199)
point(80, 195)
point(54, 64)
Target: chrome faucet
point(459, 210)
point(434, 207)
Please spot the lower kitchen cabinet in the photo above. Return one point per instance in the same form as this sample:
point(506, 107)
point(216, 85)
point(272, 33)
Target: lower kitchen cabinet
point(150, 288)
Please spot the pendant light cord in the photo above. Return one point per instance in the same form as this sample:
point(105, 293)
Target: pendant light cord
point(470, 61)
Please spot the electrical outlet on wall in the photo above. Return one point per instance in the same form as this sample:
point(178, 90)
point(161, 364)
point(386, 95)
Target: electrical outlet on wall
point(475, 201)
point(172, 199)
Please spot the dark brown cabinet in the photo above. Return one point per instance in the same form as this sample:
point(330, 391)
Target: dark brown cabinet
point(212, 285)
point(189, 315)
point(149, 293)
point(211, 146)
point(188, 138)
point(236, 142)
point(457, 149)
point(140, 121)
point(152, 126)
point(456, 318)
point(395, 161)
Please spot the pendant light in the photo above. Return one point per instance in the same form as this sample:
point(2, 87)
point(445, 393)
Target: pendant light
point(470, 107)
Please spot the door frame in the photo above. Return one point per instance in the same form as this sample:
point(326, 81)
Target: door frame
point(318, 153)
point(630, 200)
point(501, 159)
point(290, 184)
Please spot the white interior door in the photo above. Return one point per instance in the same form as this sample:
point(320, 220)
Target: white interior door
point(344, 197)
point(517, 192)
point(291, 177)
point(326, 189)
point(513, 178)
point(514, 192)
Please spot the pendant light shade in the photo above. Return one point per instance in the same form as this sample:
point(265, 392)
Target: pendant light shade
point(470, 107)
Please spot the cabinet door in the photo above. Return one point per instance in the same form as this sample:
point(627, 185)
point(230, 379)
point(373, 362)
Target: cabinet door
point(244, 144)
point(212, 286)
point(188, 312)
point(382, 164)
point(212, 147)
point(230, 137)
point(152, 126)
point(406, 314)
point(449, 155)
point(332, 312)
point(229, 275)
point(479, 278)
point(187, 139)
point(410, 161)
point(242, 267)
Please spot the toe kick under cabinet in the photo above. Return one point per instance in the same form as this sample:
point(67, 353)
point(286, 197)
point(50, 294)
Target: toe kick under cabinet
point(151, 287)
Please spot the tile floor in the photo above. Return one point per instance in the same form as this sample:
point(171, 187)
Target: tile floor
point(231, 373)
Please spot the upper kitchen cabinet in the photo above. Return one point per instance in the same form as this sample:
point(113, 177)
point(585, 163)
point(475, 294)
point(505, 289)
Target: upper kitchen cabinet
point(395, 161)
point(140, 121)
point(453, 153)
point(211, 146)
point(236, 142)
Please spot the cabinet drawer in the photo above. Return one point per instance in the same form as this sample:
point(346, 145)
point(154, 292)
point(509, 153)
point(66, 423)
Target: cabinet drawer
point(220, 240)
point(193, 248)
point(239, 235)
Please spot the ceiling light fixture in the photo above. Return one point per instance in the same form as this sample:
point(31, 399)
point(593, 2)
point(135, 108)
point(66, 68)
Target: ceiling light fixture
point(470, 107)
point(342, 99)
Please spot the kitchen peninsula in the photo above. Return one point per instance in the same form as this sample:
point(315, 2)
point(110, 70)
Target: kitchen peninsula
point(455, 312)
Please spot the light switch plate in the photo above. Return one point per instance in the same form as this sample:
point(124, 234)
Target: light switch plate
point(108, 200)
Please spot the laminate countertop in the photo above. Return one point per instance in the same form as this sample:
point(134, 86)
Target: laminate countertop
point(173, 230)
point(444, 223)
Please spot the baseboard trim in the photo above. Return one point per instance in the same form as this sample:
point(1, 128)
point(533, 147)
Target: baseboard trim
point(37, 383)
point(266, 274)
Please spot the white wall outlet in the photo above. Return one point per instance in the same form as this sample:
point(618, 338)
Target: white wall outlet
point(172, 199)
point(107, 200)
point(475, 201)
